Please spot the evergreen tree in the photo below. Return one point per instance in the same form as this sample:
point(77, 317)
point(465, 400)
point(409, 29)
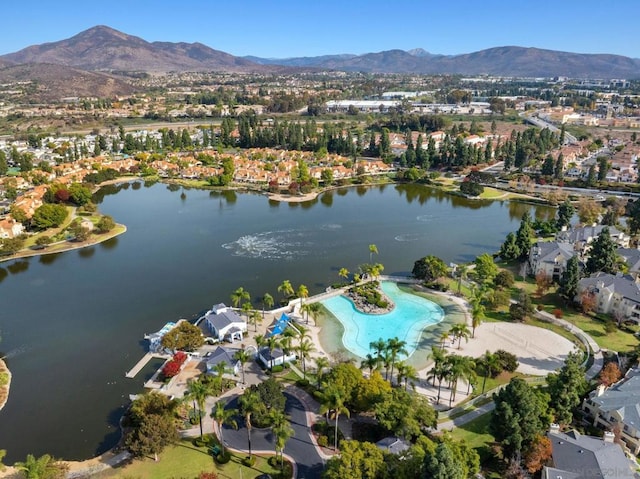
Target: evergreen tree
point(569, 280)
point(603, 168)
point(566, 388)
point(524, 234)
point(602, 255)
point(591, 176)
point(442, 464)
point(548, 166)
point(565, 213)
point(510, 249)
point(519, 416)
point(558, 172)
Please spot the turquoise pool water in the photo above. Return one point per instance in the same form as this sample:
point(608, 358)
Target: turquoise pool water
point(407, 321)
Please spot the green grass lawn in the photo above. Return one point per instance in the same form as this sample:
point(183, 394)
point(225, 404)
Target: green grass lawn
point(184, 460)
point(475, 433)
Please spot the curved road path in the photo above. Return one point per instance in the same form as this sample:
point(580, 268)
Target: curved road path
point(301, 448)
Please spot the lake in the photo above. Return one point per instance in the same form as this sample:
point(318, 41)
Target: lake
point(72, 323)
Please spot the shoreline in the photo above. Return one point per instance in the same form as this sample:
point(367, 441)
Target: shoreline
point(7, 387)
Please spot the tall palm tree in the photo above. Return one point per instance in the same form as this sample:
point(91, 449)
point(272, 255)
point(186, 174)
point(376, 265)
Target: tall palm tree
point(343, 273)
point(395, 347)
point(469, 372)
point(250, 403)
point(443, 338)
point(456, 371)
point(407, 373)
point(243, 357)
point(370, 362)
point(459, 331)
point(373, 249)
point(282, 433)
point(477, 309)
point(224, 417)
point(490, 364)
point(198, 391)
point(246, 308)
point(321, 364)
point(303, 293)
point(304, 349)
point(314, 309)
point(267, 302)
point(239, 295)
point(272, 343)
point(260, 341)
point(462, 275)
point(379, 347)
point(255, 319)
point(286, 289)
point(440, 371)
point(438, 356)
point(332, 401)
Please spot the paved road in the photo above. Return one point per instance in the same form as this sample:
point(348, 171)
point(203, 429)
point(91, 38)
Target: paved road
point(300, 447)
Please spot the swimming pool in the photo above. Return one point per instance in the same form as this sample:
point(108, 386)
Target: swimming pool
point(407, 321)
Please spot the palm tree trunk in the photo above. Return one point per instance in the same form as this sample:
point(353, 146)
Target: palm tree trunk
point(335, 442)
point(484, 382)
point(439, 386)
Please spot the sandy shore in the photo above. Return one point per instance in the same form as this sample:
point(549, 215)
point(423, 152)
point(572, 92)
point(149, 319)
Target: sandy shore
point(4, 390)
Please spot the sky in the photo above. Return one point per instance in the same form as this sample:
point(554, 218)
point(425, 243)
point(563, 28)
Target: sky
point(292, 28)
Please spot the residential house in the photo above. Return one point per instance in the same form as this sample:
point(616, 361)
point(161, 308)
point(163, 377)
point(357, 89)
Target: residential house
point(581, 237)
point(155, 339)
point(393, 445)
point(224, 323)
point(617, 408)
point(222, 355)
point(275, 357)
point(10, 228)
point(550, 258)
point(576, 456)
point(631, 257)
point(617, 295)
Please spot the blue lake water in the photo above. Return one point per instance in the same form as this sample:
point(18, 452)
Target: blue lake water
point(72, 323)
point(407, 321)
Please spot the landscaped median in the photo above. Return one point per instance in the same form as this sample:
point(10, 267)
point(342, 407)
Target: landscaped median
point(184, 459)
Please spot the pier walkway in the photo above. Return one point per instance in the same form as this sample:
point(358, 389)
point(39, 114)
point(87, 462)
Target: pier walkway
point(142, 363)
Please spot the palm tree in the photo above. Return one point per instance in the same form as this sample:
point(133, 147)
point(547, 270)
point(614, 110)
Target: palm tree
point(286, 289)
point(407, 373)
point(314, 309)
point(438, 355)
point(199, 391)
point(239, 295)
point(469, 372)
point(303, 293)
point(378, 347)
point(243, 357)
point(43, 467)
point(321, 363)
point(395, 347)
point(260, 341)
point(477, 309)
point(282, 433)
point(373, 249)
point(490, 364)
point(462, 275)
point(456, 371)
point(267, 302)
point(272, 343)
point(440, 371)
point(459, 331)
point(332, 400)
point(255, 319)
point(369, 362)
point(304, 349)
point(343, 273)
point(224, 417)
point(250, 403)
point(246, 307)
point(443, 338)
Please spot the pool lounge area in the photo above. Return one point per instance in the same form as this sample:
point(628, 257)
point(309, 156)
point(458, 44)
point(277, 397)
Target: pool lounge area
point(412, 315)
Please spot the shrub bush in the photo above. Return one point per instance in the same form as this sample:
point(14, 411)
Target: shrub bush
point(249, 461)
point(223, 458)
point(277, 369)
point(199, 442)
point(323, 441)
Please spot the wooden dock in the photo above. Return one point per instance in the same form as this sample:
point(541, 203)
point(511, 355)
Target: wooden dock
point(141, 364)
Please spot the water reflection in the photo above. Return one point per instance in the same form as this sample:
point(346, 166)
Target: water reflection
point(342, 191)
point(87, 252)
point(136, 185)
point(19, 266)
point(327, 198)
point(148, 183)
point(173, 187)
point(3, 274)
point(49, 258)
point(110, 243)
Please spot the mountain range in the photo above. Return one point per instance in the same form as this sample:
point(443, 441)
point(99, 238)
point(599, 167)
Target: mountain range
point(101, 51)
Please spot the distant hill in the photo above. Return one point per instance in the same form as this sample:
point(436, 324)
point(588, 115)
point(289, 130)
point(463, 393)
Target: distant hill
point(103, 48)
point(500, 61)
point(53, 82)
